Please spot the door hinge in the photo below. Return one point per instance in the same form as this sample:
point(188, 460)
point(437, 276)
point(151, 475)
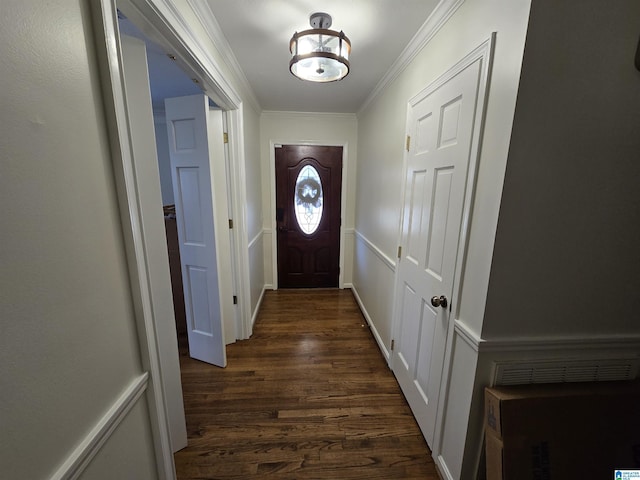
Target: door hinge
point(408, 142)
point(230, 223)
point(225, 137)
point(399, 251)
point(235, 299)
point(393, 344)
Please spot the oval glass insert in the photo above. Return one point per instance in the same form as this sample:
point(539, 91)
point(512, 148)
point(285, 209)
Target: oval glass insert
point(308, 199)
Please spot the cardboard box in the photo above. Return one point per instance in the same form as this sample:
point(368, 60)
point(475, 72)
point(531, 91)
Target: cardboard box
point(562, 431)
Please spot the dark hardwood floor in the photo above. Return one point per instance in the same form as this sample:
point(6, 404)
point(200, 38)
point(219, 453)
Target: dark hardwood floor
point(309, 396)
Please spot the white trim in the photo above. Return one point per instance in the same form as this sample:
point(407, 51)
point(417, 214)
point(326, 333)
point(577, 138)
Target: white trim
point(254, 317)
point(586, 342)
point(388, 261)
point(212, 27)
point(443, 11)
point(371, 325)
point(541, 344)
point(255, 239)
point(467, 335)
point(109, 62)
point(343, 195)
point(77, 462)
point(289, 114)
point(235, 124)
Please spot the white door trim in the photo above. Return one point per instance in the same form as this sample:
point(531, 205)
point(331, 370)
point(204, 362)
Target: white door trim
point(484, 54)
point(161, 22)
point(109, 56)
point(238, 187)
point(164, 24)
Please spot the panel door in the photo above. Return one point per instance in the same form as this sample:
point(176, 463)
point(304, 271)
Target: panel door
point(308, 185)
point(188, 122)
point(440, 126)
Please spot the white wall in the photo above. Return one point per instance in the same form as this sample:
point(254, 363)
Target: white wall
point(567, 234)
point(69, 345)
point(381, 139)
point(291, 128)
point(567, 249)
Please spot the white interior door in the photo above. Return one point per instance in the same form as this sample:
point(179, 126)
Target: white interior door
point(440, 124)
point(194, 145)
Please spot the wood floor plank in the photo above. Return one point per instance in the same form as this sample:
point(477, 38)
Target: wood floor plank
point(309, 396)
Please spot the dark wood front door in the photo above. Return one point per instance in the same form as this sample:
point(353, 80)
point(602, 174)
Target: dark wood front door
point(308, 185)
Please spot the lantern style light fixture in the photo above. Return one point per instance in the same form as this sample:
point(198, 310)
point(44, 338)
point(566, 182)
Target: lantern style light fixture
point(320, 54)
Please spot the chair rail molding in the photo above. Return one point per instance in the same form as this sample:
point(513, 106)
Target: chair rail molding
point(387, 260)
point(91, 444)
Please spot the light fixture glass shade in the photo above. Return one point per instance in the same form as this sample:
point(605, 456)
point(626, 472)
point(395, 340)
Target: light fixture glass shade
point(320, 55)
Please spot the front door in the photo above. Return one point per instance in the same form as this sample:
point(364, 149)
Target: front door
point(441, 124)
point(308, 185)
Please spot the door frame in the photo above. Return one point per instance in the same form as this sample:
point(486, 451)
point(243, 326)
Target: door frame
point(484, 54)
point(343, 195)
point(163, 23)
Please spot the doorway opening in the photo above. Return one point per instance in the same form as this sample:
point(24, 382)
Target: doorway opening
point(150, 78)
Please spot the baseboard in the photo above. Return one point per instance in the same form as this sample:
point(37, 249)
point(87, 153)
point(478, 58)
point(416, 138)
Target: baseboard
point(254, 316)
point(91, 444)
point(372, 325)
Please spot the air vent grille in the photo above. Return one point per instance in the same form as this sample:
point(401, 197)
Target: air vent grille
point(566, 371)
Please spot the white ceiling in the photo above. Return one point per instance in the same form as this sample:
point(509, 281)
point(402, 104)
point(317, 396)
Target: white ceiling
point(259, 31)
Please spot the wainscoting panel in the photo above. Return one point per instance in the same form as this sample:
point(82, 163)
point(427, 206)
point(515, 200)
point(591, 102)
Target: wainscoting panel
point(89, 447)
point(348, 240)
point(456, 399)
point(373, 284)
point(256, 272)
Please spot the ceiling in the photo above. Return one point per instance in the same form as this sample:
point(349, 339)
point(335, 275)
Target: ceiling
point(258, 33)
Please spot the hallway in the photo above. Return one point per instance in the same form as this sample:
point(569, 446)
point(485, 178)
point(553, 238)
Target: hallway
point(308, 396)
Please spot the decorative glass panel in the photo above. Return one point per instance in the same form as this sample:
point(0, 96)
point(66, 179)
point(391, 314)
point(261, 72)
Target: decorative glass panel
point(308, 199)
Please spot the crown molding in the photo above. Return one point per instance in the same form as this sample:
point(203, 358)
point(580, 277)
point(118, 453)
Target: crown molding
point(212, 27)
point(443, 11)
point(285, 113)
point(162, 21)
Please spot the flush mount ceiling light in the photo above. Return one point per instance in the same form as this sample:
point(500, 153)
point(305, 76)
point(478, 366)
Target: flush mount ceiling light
point(320, 54)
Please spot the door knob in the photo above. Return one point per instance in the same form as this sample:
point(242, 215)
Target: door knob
point(440, 301)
